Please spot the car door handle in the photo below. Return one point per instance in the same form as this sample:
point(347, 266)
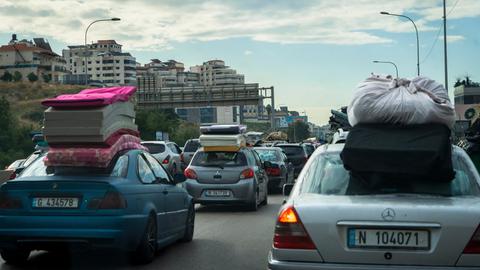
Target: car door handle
point(165, 192)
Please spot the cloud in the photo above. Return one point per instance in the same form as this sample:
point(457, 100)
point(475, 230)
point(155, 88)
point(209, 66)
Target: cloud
point(453, 38)
point(247, 52)
point(157, 25)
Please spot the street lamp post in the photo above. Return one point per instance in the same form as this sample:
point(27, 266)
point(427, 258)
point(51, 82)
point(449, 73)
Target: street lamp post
point(86, 49)
point(388, 62)
point(416, 31)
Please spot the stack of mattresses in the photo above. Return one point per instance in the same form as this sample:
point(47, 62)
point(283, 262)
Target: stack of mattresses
point(223, 137)
point(400, 132)
point(90, 128)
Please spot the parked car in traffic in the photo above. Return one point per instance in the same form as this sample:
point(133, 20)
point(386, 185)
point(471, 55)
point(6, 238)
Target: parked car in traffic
point(167, 153)
point(191, 146)
point(397, 225)
point(280, 171)
point(133, 206)
point(228, 177)
point(296, 154)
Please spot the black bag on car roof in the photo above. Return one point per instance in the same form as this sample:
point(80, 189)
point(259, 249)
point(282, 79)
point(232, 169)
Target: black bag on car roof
point(412, 152)
point(223, 130)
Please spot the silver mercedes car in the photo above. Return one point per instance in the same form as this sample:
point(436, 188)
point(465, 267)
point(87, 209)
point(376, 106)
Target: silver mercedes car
point(327, 224)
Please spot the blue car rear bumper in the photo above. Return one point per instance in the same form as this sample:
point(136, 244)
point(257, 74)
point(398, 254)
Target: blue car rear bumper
point(91, 232)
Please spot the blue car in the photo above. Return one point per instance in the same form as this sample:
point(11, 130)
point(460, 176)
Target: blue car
point(134, 206)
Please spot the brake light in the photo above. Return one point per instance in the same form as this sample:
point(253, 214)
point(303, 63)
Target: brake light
point(273, 171)
point(111, 200)
point(290, 232)
point(12, 176)
point(7, 202)
point(246, 174)
point(473, 246)
point(190, 174)
point(166, 160)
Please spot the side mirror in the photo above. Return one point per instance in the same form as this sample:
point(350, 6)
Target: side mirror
point(267, 164)
point(179, 178)
point(19, 170)
point(287, 189)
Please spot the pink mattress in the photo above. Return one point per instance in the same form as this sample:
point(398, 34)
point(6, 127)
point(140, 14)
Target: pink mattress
point(92, 97)
point(91, 156)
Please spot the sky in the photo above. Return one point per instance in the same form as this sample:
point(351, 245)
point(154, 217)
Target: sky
point(313, 52)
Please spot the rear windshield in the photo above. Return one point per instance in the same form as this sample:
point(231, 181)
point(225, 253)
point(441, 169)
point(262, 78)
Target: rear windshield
point(268, 155)
point(118, 168)
point(326, 175)
point(219, 159)
point(293, 150)
point(191, 146)
point(154, 148)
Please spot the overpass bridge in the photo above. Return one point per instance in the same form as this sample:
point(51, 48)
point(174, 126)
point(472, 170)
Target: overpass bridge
point(152, 97)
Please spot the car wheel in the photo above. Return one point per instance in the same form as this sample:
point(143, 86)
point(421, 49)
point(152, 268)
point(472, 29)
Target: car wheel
point(190, 225)
point(147, 249)
point(15, 256)
point(265, 200)
point(253, 206)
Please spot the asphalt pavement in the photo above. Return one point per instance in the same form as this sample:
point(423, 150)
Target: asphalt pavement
point(226, 237)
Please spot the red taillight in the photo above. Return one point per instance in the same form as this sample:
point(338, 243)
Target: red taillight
point(12, 176)
point(190, 174)
point(473, 247)
point(7, 202)
point(111, 200)
point(290, 233)
point(166, 160)
point(273, 171)
point(247, 173)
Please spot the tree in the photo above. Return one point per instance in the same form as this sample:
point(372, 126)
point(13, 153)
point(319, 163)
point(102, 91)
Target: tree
point(150, 121)
point(32, 77)
point(184, 132)
point(298, 131)
point(7, 77)
point(17, 76)
point(46, 78)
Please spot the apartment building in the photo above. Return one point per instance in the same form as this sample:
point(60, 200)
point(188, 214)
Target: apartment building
point(103, 62)
point(32, 57)
point(215, 72)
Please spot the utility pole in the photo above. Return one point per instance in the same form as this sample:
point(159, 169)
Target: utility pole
point(445, 42)
point(272, 114)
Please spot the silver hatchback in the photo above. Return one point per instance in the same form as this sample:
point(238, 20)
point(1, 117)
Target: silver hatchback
point(329, 223)
point(223, 177)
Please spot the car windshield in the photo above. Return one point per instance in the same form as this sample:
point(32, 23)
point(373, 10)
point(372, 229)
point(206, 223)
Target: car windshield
point(154, 148)
point(219, 159)
point(191, 146)
point(326, 175)
point(292, 150)
point(268, 155)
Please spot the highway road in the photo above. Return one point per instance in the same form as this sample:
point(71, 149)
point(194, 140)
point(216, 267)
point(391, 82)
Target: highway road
point(225, 237)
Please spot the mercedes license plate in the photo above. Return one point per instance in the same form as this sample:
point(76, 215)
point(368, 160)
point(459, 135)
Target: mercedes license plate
point(55, 202)
point(217, 193)
point(388, 238)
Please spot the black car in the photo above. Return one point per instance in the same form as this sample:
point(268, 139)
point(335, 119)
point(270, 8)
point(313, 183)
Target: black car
point(281, 170)
point(296, 154)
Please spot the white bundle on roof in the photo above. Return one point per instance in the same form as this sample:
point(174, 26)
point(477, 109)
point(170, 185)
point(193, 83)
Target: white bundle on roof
point(401, 101)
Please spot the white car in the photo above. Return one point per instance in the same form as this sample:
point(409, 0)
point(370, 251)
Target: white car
point(329, 223)
point(167, 153)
